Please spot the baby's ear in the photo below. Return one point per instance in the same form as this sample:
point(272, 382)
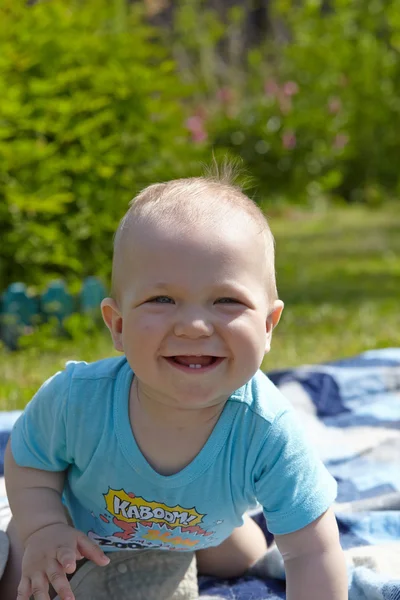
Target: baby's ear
point(272, 321)
point(113, 319)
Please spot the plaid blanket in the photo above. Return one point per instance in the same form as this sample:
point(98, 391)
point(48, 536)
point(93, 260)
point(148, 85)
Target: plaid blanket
point(351, 410)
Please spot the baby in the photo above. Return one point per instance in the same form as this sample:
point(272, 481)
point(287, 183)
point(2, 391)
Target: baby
point(166, 447)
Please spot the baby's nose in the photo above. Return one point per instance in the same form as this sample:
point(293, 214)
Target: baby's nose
point(192, 324)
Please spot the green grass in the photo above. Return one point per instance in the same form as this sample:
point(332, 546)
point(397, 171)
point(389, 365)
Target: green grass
point(338, 274)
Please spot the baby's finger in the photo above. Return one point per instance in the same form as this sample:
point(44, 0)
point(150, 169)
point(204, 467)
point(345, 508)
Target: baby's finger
point(40, 586)
point(92, 551)
point(24, 589)
point(59, 581)
point(67, 558)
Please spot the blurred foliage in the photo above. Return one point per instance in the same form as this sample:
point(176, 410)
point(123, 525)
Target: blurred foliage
point(95, 104)
point(314, 112)
point(90, 112)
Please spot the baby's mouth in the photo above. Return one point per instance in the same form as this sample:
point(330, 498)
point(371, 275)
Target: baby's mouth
point(194, 362)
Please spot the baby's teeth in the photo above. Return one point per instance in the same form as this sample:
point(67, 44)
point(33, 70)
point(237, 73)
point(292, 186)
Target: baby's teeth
point(195, 366)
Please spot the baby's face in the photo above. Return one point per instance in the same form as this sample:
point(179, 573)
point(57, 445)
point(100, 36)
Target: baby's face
point(193, 310)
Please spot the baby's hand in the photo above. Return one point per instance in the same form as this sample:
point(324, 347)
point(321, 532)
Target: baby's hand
point(51, 553)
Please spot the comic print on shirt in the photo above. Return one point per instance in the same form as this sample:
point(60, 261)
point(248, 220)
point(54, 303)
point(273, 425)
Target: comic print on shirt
point(139, 523)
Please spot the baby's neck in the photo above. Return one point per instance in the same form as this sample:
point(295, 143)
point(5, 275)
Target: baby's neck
point(170, 438)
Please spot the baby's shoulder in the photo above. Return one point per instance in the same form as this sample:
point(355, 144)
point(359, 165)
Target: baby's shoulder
point(108, 368)
point(91, 382)
point(263, 399)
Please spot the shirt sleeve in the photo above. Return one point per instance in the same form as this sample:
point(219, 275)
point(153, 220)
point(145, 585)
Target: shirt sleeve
point(38, 439)
point(290, 480)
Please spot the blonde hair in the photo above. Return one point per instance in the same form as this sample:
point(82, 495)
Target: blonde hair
point(192, 200)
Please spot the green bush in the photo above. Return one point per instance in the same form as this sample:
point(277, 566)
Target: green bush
point(93, 107)
point(91, 110)
point(315, 114)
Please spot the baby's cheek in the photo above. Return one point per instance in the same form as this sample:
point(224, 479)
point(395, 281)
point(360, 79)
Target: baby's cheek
point(249, 331)
point(149, 324)
point(250, 342)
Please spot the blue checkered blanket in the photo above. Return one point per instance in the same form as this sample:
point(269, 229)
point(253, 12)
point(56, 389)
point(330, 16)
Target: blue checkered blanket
point(351, 410)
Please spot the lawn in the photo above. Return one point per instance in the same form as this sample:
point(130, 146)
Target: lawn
point(338, 274)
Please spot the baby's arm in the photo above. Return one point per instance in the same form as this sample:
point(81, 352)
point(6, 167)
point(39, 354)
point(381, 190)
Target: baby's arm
point(34, 496)
point(52, 546)
point(314, 561)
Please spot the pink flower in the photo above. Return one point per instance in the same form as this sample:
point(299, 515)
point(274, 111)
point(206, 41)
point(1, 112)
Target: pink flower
point(290, 88)
point(289, 140)
point(195, 125)
point(341, 140)
point(334, 105)
point(271, 87)
point(199, 136)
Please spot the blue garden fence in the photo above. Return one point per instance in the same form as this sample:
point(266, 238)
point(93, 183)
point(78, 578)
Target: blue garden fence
point(21, 311)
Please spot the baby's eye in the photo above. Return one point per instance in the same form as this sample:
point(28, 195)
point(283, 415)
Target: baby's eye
point(227, 301)
point(161, 300)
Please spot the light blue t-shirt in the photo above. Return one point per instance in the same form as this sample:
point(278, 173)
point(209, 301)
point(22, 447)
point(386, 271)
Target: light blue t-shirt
point(79, 422)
